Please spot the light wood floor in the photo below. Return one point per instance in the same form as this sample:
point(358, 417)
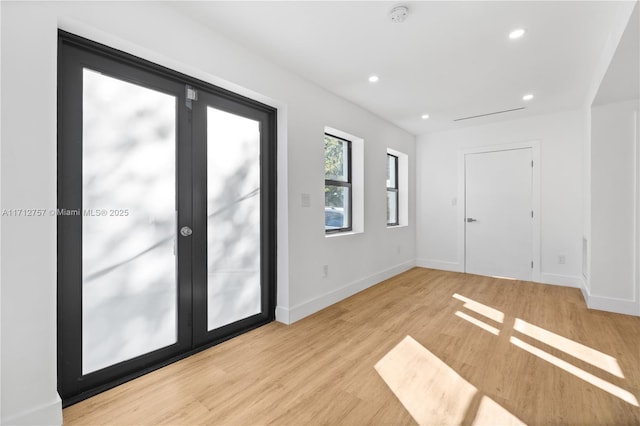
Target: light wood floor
point(533, 352)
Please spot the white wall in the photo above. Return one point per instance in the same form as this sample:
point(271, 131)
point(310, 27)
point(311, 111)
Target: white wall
point(160, 34)
point(586, 201)
point(606, 57)
point(560, 139)
point(614, 198)
point(612, 178)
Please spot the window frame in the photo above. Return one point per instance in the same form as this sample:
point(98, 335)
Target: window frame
point(395, 189)
point(345, 184)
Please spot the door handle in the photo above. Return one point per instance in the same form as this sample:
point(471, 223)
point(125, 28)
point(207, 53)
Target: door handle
point(470, 219)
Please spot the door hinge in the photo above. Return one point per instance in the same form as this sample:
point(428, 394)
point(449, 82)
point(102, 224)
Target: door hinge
point(532, 264)
point(191, 95)
point(531, 213)
point(531, 163)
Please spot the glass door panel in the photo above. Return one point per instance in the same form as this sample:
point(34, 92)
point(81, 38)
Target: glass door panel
point(233, 218)
point(129, 287)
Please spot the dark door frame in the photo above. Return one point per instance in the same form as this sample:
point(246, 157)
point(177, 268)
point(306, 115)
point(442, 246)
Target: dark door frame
point(75, 53)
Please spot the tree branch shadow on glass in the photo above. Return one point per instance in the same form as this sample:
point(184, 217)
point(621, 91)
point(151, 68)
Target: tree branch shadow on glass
point(337, 189)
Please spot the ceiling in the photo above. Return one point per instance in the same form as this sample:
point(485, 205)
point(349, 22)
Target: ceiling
point(448, 59)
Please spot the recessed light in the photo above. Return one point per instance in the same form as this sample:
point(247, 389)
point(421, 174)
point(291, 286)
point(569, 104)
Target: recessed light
point(424, 116)
point(527, 97)
point(517, 33)
point(373, 78)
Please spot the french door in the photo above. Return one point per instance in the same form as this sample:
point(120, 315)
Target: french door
point(166, 216)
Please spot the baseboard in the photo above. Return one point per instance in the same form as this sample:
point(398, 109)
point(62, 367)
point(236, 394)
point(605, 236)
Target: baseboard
point(563, 280)
point(282, 315)
point(611, 304)
point(442, 265)
point(584, 290)
point(47, 414)
point(296, 313)
point(601, 303)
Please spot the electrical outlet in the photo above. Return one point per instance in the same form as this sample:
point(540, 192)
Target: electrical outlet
point(325, 271)
point(562, 259)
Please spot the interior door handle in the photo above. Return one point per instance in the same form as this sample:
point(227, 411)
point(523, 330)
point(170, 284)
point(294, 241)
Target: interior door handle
point(470, 219)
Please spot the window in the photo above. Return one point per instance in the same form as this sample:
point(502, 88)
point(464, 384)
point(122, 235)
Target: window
point(397, 189)
point(337, 184)
point(392, 190)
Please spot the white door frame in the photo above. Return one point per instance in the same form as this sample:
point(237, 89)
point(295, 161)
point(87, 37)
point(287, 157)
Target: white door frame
point(535, 152)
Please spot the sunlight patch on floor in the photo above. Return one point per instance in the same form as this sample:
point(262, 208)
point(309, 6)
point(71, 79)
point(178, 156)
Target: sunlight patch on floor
point(483, 325)
point(504, 278)
point(433, 393)
point(490, 413)
point(575, 349)
point(481, 309)
point(568, 346)
point(578, 372)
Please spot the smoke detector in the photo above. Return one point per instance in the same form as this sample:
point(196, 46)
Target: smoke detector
point(398, 14)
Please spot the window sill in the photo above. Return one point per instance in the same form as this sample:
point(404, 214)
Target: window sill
point(340, 234)
point(397, 226)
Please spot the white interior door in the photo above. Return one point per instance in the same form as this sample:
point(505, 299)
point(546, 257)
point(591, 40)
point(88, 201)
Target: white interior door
point(498, 213)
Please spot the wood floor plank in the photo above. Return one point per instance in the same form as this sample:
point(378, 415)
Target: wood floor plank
point(531, 351)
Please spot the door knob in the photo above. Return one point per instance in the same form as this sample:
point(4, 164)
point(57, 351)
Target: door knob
point(185, 231)
point(470, 219)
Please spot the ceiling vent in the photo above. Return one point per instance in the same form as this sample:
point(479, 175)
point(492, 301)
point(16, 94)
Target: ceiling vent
point(399, 14)
point(490, 113)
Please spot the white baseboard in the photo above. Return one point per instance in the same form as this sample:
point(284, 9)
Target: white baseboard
point(563, 280)
point(296, 313)
point(442, 265)
point(584, 290)
point(610, 304)
point(47, 414)
point(282, 315)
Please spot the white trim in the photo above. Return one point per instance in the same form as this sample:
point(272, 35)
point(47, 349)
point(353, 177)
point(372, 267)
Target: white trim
point(47, 414)
point(282, 234)
point(610, 304)
point(585, 291)
point(397, 226)
point(282, 315)
point(535, 153)
point(341, 234)
point(442, 265)
point(562, 280)
point(314, 305)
